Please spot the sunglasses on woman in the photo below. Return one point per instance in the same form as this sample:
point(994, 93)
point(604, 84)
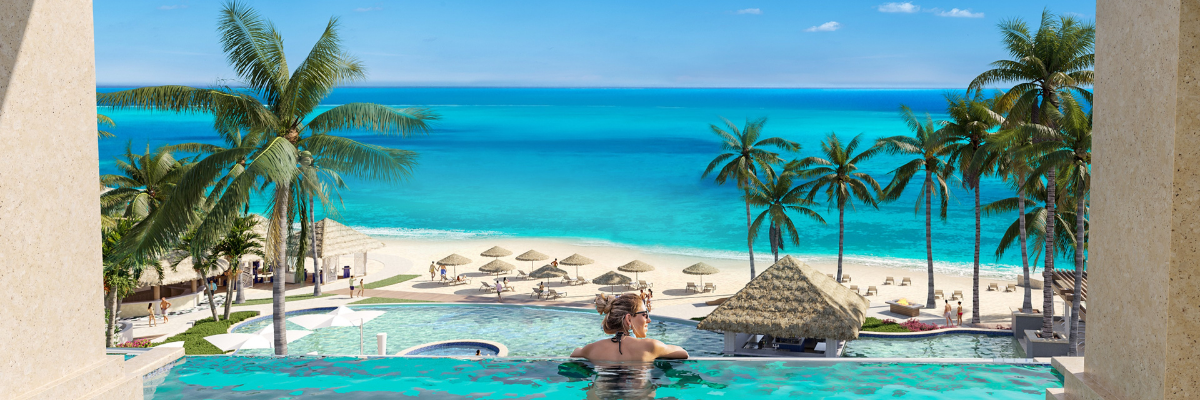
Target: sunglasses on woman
point(642, 313)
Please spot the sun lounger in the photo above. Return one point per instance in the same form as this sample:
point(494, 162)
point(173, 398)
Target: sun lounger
point(872, 290)
point(537, 292)
point(993, 287)
point(889, 281)
point(484, 287)
point(567, 279)
point(1010, 288)
point(938, 294)
point(906, 281)
point(854, 288)
point(554, 295)
point(521, 274)
point(691, 287)
point(709, 287)
point(580, 281)
point(830, 275)
point(509, 288)
point(845, 278)
point(958, 295)
point(644, 285)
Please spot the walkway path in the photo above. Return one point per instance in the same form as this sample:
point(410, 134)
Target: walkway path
point(509, 298)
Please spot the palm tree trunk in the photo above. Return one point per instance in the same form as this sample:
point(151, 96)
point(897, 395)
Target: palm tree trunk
point(773, 234)
point(1048, 271)
point(208, 290)
point(302, 247)
point(312, 219)
point(930, 302)
point(279, 242)
point(110, 305)
point(975, 283)
point(841, 237)
point(1027, 305)
point(241, 297)
point(229, 288)
point(749, 243)
point(1079, 249)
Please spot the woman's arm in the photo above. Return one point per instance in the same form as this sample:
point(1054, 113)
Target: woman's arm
point(580, 352)
point(662, 350)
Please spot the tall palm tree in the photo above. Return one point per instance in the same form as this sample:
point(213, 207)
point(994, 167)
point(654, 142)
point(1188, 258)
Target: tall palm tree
point(204, 263)
point(1059, 56)
point(779, 197)
point(241, 241)
point(145, 182)
point(313, 184)
point(281, 107)
point(1034, 221)
point(121, 275)
point(926, 150)
point(744, 157)
point(836, 172)
point(969, 129)
point(1005, 145)
point(1070, 159)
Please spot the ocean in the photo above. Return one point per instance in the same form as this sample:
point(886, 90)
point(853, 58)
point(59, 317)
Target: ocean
point(622, 167)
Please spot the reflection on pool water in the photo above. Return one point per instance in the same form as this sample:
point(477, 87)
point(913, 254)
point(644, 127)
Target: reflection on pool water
point(957, 345)
point(527, 331)
point(338, 377)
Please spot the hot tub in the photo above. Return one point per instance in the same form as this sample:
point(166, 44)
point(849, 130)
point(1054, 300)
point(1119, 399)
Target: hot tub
point(461, 347)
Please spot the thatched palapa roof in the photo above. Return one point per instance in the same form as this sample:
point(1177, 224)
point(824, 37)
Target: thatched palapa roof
point(576, 259)
point(548, 271)
point(335, 239)
point(496, 252)
point(532, 255)
point(636, 266)
point(791, 300)
point(496, 266)
point(454, 259)
point(701, 269)
point(182, 273)
point(612, 278)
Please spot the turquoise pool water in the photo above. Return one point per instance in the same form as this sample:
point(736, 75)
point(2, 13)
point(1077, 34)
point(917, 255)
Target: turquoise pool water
point(456, 351)
point(958, 345)
point(527, 331)
point(441, 378)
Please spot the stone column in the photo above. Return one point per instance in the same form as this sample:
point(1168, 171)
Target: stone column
point(1144, 280)
point(48, 215)
point(157, 292)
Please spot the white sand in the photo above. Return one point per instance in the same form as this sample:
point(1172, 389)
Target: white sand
point(670, 297)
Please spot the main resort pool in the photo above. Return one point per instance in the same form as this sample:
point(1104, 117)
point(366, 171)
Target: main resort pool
point(530, 331)
point(449, 378)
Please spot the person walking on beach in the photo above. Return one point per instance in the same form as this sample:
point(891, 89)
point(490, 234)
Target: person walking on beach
point(164, 305)
point(946, 313)
point(432, 271)
point(150, 309)
point(443, 272)
point(499, 288)
point(960, 313)
point(362, 288)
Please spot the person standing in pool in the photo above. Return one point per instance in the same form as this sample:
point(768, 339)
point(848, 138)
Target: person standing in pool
point(623, 318)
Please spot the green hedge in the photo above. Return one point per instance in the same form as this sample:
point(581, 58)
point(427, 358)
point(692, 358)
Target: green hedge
point(193, 338)
point(298, 297)
point(873, 324)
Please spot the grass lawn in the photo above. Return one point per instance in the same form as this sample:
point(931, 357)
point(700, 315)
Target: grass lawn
point(389, 281)
point(193, 338)
point(289, 298)
point(384, 300)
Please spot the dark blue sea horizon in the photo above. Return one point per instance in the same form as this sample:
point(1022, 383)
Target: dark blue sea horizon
point(621, 166)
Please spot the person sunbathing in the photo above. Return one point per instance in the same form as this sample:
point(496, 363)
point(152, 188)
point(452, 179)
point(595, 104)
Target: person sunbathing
point(623, 316)
point(459, 278)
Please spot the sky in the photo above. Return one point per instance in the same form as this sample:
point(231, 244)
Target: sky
point(565, 43)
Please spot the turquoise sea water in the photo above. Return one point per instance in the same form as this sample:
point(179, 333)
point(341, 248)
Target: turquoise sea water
point(620, 167)
point(445, 378)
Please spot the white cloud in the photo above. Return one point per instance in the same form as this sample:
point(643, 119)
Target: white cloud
point(905, 7)
point(366, 9)
point(956, 13)
point(177, 6)
point(825, 27)
point(754, 11)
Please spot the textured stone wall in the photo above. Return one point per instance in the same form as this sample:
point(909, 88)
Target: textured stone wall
point(49, 217)
point(1143, 314)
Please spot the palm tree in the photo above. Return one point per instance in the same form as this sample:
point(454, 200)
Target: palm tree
point(1071, 159)
point(144, 184)
point(780, 197)
point(1005, 145)
point(926, 151)
point(241, 241)
point(744, 158)
point(971, 120)
point(1057, 57)
point(121, 275)
point(275, 105)
point(836, 174)
point(204, 262)
point(1034, 221)
point(103, 121)
point(310, 187)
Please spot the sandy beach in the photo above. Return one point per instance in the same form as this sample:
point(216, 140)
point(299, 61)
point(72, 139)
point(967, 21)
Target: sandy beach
point(671, 299)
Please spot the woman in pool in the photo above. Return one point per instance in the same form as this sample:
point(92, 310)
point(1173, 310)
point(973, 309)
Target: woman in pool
point(622, 315)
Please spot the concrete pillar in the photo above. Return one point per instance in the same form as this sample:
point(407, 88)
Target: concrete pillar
point(48, 174)
point(157, 292)
point(1144, 284)
point(194, 288)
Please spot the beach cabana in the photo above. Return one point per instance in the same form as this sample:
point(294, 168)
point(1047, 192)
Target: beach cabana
point(454, 260)
point(576, 260)
point(546, 272)
point(612, 279)
point(701, 269)
point(496, 266)
point(334, 240)
point(787, 311)
point(635, 267)
point(532, 256)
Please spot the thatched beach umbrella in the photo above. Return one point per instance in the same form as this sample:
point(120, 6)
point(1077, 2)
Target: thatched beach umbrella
point(611, 279)
point(635, 267)
point(576, 260)
point(496, 252)
point(496, 266)
point(546, 272)
point(532, 256)
point(454, 260)
point(701, 269)
point(791, 300)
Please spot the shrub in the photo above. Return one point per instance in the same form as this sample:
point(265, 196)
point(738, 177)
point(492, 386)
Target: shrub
point(136, 343)
point(917, 326)
point(193, 338)
point(873, 324)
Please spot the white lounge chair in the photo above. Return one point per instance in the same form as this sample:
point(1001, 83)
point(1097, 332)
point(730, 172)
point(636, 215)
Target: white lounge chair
point(691, 287)
point(709, 287)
